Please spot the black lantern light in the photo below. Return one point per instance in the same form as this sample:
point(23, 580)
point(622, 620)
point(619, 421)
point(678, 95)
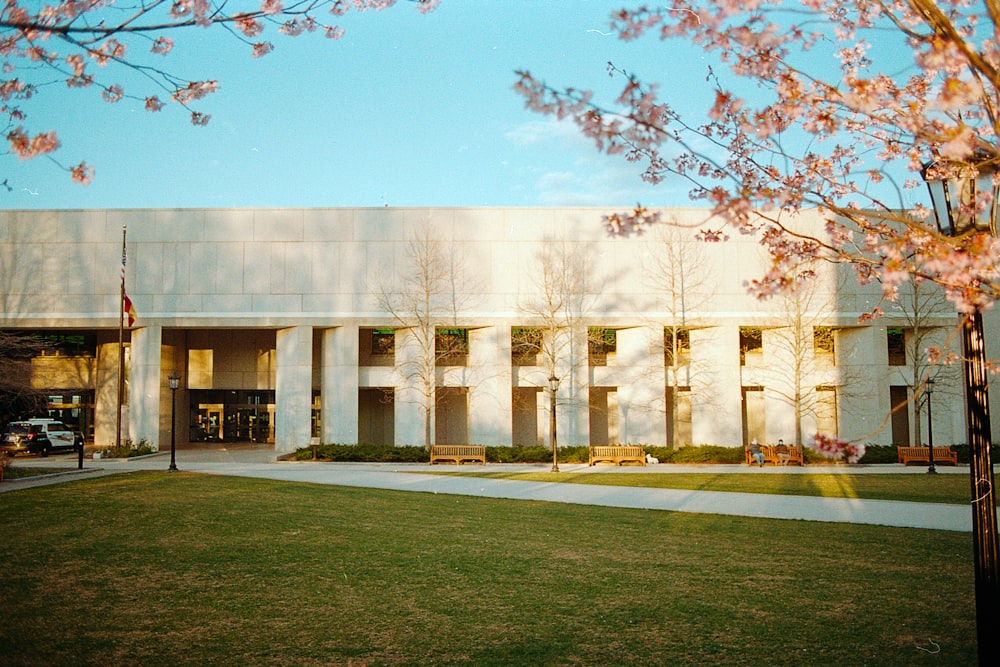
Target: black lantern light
point(553, 388)
point(960, 207)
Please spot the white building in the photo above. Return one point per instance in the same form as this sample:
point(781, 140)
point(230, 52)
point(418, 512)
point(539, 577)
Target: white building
point(297, 325)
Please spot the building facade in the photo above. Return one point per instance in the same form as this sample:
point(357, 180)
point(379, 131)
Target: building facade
point(415, 326)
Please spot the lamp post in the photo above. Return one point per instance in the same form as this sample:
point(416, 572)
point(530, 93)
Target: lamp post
point(175, 382)
point(553, 387)
point(928, 390)
point(954, 190)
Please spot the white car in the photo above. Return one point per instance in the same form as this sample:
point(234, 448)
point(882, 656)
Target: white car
point(39, 436)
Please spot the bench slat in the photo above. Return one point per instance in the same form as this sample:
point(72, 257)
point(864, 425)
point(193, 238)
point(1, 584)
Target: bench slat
point(617, 454)
point(458, 453)
point(943, 455)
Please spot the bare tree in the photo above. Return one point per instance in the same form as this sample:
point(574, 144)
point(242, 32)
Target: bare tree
point(677, 271)
point(806, 340)
point(923, 304)
point(18, 397)
point(555, 308)
point(425, 301)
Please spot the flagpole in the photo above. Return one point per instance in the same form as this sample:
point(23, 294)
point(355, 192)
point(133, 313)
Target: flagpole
point(121, 351)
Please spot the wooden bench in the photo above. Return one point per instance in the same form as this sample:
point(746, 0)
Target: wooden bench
point(458, 454)
point(772, 454)
point(942, 455)
point(617, 454)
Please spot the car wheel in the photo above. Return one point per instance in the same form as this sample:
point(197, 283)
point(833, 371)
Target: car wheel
point(45, 451)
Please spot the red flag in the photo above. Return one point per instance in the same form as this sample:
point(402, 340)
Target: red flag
point(129, 310)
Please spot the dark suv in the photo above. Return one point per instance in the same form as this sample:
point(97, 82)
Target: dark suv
point(39, 436)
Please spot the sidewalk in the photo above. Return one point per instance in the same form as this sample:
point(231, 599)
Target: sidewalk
point(250, 461)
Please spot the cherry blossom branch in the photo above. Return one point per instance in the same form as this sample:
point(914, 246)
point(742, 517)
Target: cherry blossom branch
point(101, 32)
point(817, 142)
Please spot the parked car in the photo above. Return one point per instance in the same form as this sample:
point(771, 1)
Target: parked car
point(39, 436)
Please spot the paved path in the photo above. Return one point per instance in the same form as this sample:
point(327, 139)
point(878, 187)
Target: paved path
point(259, 462)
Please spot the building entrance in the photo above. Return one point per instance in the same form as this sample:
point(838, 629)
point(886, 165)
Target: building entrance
point(232, 416)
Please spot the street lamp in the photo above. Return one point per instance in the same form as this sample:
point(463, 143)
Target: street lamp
point(928, 390)
point(955, 191)
point(553, 387)
point(175, 382)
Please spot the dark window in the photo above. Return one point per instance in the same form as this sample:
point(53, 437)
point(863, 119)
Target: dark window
point(683, 345)
point(896, 343)
point(383, 341)
point(525, 345)
point(451, 346)
point(751, 343)
point(823, 340)
point(601, 342)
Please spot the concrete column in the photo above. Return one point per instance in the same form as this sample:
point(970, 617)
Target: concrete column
point(293, 389)
point(716, 392)
point(864, 407)
point(642, 381)
point(573, 398)
point(147, 391)
point(410, 399)
point(490, 397)
point(339, 386)
point(106, 396)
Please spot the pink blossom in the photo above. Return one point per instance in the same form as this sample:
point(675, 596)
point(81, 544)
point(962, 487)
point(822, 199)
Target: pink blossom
point(834, 448)
point(272, 7)
point(27, 147)
point(153, 103)
point(82, 174)
point(262, 49)
point(113, 93)
point(162, 45)
point(195, 90)
point(249, 26)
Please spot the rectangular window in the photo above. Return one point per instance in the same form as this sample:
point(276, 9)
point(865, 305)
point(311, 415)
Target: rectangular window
point(525, 346)
point(451, 347)
point(683, 351)
point(826, 411)
point(600, 343)
point(896, 344)
point(383, 342)
point(376, 347)
point(824, 343)
point(751, 344)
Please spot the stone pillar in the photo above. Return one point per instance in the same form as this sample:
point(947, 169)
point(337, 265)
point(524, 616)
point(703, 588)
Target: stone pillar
point(339, 386)
point(293, 389)
point(106, 396)
point(573, 398)
point(641, 386)
point(410, 392)
point(864, 357)
point(146, 388)
point(716, 389)
point(490, 393)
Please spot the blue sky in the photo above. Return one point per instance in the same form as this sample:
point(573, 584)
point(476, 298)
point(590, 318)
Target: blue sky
point(405, 110)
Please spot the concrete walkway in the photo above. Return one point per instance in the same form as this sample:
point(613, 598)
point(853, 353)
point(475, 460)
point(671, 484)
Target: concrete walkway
point(251, 461)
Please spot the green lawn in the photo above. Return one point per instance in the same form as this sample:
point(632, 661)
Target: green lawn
point(883, 486)
point(186, 569)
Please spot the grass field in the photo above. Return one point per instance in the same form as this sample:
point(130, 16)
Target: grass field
point(168, 569)
point(883, 486)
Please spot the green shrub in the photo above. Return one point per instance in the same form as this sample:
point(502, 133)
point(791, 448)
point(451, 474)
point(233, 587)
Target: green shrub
point(880, 454)
point(128, 449)
point(707, 454)
point(364, 453)
point(964, 456)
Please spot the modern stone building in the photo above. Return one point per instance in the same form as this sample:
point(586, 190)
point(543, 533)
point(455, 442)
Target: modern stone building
point(292, 326)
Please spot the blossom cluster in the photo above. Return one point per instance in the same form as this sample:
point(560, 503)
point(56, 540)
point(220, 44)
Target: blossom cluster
point(101, 33)
point(818, 137)
point(837, 449)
